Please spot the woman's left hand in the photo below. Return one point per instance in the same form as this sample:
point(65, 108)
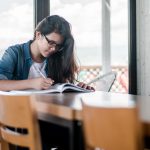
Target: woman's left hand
point(85, 86)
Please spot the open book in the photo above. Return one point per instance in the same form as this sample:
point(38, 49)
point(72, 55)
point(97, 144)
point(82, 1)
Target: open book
point(57, 88)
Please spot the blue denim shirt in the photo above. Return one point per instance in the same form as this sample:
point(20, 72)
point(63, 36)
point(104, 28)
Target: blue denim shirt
point(16, 62)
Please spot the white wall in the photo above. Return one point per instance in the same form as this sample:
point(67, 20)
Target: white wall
point(143, 47)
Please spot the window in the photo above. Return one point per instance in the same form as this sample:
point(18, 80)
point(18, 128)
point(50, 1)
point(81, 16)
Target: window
point(101, 36)
point(119, 42)
point(85, 19)
point(16, 23)
point(119, 32)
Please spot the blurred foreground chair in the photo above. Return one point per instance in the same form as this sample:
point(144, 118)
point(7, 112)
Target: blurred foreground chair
point(104, 82)
point(111, 128)
point(3, 144)
point(18, 112)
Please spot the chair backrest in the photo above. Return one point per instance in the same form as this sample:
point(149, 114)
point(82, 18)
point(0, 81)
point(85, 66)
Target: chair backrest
point(3, 144)
point(104, 82)
point(111, 128)
point(18, 112)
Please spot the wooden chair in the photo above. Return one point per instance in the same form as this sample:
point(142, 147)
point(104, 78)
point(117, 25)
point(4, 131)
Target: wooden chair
point(19, 112)
point(111, 128)
point(3, 145)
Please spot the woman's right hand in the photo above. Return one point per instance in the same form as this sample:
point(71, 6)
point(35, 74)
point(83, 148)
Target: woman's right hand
point(41, 83)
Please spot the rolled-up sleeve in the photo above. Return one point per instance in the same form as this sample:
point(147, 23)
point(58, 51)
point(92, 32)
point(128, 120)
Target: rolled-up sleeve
point(7, 64)
point(3, 77)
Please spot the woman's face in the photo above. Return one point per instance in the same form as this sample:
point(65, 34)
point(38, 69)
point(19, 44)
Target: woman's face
point(49, 44)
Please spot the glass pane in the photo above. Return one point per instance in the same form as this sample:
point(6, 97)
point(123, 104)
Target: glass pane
point(85, 18)
point(119, 42)
point(16, 23)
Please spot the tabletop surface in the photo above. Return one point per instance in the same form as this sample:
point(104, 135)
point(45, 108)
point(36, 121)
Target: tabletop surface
point(69, 106)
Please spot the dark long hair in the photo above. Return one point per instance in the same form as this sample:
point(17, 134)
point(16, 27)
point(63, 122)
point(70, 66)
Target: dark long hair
point(61, 65)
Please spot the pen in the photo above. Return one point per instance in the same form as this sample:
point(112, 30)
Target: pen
point(37, 69)
point(41, 74)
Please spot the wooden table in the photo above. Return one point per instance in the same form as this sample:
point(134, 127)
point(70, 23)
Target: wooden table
point(65, 109)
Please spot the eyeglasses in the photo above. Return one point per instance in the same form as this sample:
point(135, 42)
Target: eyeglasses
point(58, 47)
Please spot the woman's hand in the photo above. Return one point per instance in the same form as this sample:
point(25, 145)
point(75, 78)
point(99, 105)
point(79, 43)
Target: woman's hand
point(85, 86)
point(41, 83)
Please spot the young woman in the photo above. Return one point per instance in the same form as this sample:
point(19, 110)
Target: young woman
point(43, 61)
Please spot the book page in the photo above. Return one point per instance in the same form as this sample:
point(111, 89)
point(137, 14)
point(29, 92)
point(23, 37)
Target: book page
point(14, 93)
point(52, 89)
point(33, 91)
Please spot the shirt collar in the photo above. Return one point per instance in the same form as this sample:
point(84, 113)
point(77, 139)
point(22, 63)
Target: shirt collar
point(27, 50)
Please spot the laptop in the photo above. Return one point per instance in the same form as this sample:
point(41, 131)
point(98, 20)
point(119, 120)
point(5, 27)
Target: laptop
point(104, 82)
